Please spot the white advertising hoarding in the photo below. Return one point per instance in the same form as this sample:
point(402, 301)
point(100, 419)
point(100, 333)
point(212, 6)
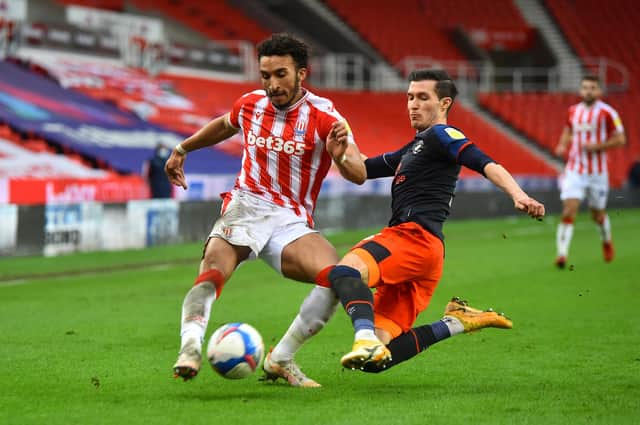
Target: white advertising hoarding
point(72, 227)
point(8, 228)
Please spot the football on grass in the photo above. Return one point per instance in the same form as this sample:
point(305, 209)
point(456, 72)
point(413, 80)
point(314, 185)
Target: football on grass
point(235, 350)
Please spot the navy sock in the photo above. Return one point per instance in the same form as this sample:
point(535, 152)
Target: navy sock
point(409, 344)
point(355, 296)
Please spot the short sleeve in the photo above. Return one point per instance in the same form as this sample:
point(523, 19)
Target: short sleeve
point(569, 116)
point(452, 140)
point(614, 123)
point(234, 115)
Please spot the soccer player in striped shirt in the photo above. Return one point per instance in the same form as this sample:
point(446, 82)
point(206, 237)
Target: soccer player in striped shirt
point(593, 127)
point(288, 148)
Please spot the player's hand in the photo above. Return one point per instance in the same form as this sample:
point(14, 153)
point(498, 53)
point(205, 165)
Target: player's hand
point(529, 205)
point(560, 150)
point(338, 140)
point(174, 169)
point(591, 148)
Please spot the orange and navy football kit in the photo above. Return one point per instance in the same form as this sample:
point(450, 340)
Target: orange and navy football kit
point(405, 260)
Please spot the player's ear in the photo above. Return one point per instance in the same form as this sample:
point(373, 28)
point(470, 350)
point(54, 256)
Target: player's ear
point(302, 74)
point(446, 102)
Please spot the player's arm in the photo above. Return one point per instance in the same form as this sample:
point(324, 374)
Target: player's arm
point(345, 155)
point(384, 165)
point(563, 143)
point(616, 139)
point(472, 157)
point(505, 181)
point(214, 132)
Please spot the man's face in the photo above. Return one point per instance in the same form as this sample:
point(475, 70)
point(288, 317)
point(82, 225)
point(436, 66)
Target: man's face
point(589, 91)
point(280, 80)
point(425, 109)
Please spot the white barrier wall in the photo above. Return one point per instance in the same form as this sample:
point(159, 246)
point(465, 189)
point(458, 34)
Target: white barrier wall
point(94, 226)
point(72, 227)
point(152, 222)
point(63, 228)
point(8, 228)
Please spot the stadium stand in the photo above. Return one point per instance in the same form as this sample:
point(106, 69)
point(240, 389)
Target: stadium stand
point(113, 5)
point(179, 104)
point(33, 172)
point(36, 104)
point(541, 116)
point(590, 27)
point(218, 20)
point(385, 25)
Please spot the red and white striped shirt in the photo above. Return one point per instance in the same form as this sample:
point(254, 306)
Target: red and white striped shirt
point(284, 159)
point(591, 125)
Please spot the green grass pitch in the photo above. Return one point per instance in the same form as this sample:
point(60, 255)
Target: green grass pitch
point(91, 338)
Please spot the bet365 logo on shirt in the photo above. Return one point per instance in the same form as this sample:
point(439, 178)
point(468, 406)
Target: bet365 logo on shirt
point(276, 144)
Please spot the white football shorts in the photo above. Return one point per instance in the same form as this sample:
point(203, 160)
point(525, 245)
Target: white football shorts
point(580, 186)
point(261, 225)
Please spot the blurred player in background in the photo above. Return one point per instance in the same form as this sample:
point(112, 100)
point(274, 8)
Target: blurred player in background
point(404, 261)
point(288, 149)
point(593, 127)
point(154, 171)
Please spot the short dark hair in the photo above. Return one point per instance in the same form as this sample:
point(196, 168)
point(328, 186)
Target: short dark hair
point(445, 87)
point(283, 44)
point(591, 77)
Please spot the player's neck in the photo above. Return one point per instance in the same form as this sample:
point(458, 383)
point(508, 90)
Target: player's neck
point(299, 95)
point(442, 121)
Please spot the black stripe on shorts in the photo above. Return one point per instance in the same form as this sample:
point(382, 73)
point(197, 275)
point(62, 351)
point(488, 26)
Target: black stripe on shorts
point(377, 251)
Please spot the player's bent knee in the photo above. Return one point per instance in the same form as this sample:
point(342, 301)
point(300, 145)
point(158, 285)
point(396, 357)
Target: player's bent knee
point(340, 274)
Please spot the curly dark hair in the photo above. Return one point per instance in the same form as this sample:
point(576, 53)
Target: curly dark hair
point(283, 44)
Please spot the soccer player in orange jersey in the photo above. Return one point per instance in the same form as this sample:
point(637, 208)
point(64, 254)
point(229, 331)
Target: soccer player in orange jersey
point(404, 260)
point(593, 127)
point(288, 148)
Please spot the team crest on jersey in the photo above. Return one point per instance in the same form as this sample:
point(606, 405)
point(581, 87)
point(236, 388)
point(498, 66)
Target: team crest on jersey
point(417, 147)
point(301, 128)
point(454, 134)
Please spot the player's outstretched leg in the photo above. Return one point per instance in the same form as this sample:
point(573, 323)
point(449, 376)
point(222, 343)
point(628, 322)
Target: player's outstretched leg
point(287, 370)
point(473, 319)
point(458, 317)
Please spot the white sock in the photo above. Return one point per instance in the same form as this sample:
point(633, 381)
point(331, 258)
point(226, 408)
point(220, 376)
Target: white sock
point(605, 229)
point(196, 310)
point(454, 324)
point(293, 339)
point(367, 334)
point(314, 313)
point(563, 238)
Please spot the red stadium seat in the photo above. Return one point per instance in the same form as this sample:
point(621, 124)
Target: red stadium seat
point(423, 28)
point(114, 5)
point(217, 20)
